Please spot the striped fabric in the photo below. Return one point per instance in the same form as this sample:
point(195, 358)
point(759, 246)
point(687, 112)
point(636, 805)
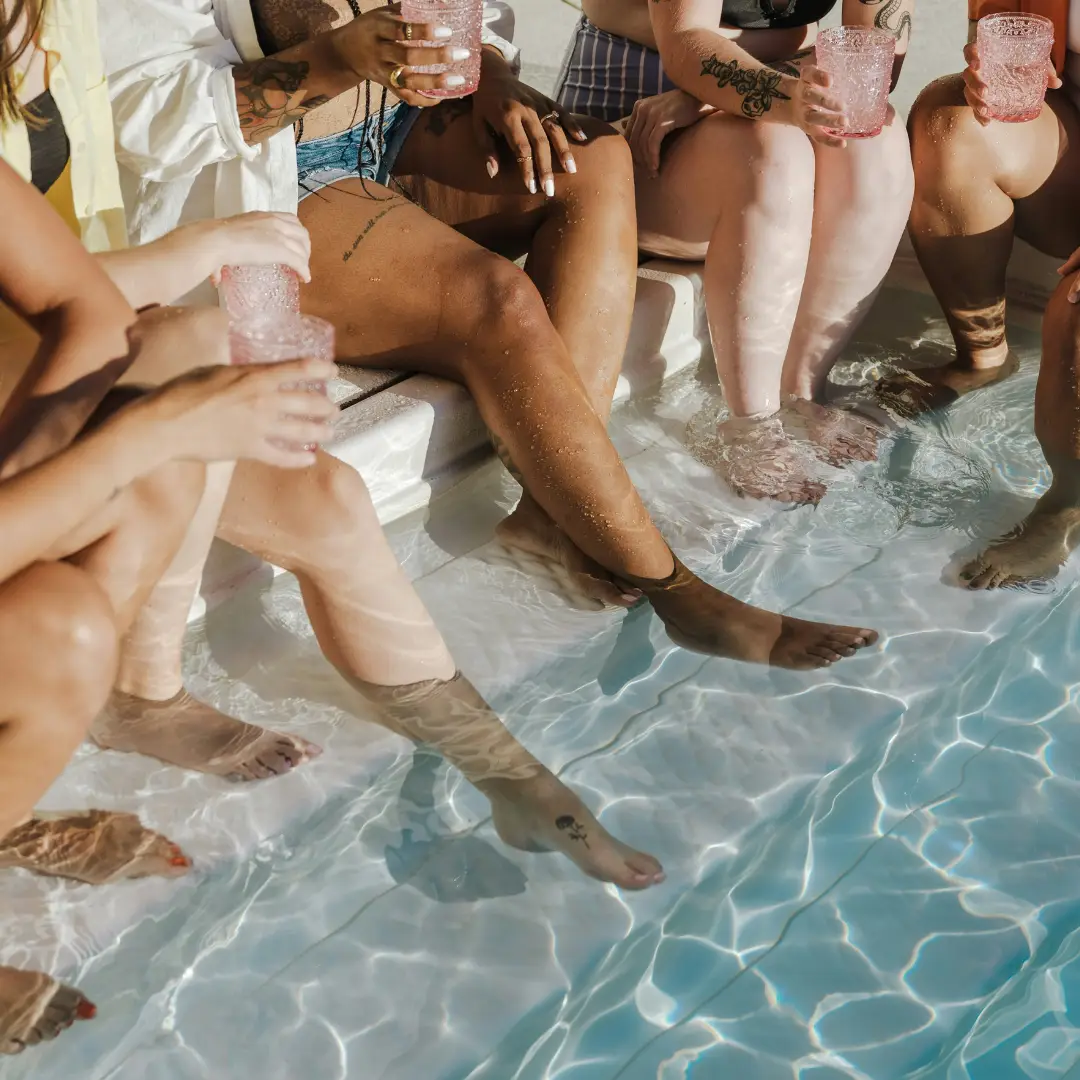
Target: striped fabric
point(604, 75)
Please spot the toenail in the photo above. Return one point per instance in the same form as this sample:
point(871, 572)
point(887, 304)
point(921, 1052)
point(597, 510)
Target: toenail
point(180, 860)
point(86, 1010)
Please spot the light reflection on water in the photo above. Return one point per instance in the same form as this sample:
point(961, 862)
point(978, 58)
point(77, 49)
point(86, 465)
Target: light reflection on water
point(874, 872)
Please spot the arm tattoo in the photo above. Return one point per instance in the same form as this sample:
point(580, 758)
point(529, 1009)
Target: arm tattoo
point(900, 28)
point(270, 96)
point(758, 87)
point(791, 65)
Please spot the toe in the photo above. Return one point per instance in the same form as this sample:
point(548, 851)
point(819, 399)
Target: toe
point(160, 858)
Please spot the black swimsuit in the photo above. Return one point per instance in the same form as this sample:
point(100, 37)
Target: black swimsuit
point(774, 14)
point(49, 146)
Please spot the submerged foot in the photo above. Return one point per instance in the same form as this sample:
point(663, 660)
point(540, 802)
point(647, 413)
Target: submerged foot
point(543, 814)
point(1034, 551)
point(35, 1008)
point(93, 846)
point(706, 620)
point(578, 577)
point(186, 732)
point(837, 435)
point(908, 394)
point(759, 459)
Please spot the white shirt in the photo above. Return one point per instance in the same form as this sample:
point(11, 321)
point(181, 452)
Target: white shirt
point(178, 141)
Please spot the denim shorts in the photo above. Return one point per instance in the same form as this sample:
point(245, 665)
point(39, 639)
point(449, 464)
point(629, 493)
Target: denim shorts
point(355, 152)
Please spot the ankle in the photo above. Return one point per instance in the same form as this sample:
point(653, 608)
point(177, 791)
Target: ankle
point(983, 358)
point(157, 685)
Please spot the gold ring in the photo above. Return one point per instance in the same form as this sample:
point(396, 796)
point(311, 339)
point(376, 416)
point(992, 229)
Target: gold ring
point(408, 31)
point(395, 76)
point(525, 157)
point(550, 116)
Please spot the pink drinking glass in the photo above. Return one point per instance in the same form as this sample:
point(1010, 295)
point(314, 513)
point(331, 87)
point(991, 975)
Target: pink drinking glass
point(860, 61)
point(465, 19)
point(273, 339)
point(1014, 56)
point(259, 290)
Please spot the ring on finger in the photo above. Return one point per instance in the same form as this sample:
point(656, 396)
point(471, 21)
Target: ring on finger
point(395, 76)
point(524, 157)
point(553, 115)
point(408, 31)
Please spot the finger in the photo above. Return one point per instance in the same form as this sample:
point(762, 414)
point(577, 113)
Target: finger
point(1070, 264)
point(538, 137)
point(822, 118)
point(825, 138)
point(304, 402)
point(522, 148)
point(1052, 79)
point(400, 54)
point(655, 142)
point(632, 122)
point(556, 131)
point(572, 126)
point(486, 142)
point(421, 85)
point(829, 102)
point(291, 371)
point(1074, 290)
point(396, 29)
point(295, 431)
point(815, 76)
point(971, 55)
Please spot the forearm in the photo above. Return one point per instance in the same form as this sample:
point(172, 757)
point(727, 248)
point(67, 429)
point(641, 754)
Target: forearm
point(158, 272)
point(42, 505)
point(721, 74)
point(275, 92)
point(894, 16)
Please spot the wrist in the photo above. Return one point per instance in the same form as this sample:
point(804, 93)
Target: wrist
point(331, 71)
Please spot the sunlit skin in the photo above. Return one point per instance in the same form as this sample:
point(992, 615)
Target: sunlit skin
point(978, 185)
point(796, 238)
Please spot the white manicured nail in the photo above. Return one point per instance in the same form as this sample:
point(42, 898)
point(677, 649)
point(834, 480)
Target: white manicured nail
point(454, 80)
point(492, 168)
point(460, 54)
point(549, 187)
point(442, 32)
point(532, 186)
point(570, 164)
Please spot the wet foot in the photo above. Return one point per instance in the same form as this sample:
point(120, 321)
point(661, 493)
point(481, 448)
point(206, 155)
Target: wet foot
point(94, 846)
point(908, 394)
point(543, 814)
point(839, 436)
point(758, 458)
point(35, 1009)
point(186, 732)
point(706, 620)
point(528, 529)
point(1034, 551)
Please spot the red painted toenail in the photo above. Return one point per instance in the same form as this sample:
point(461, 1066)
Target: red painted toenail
point(180, 860)
point(86, 1010)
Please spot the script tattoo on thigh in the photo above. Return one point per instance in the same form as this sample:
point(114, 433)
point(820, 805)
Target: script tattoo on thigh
point(892, 15)
point(362, 235)
point(759, 87)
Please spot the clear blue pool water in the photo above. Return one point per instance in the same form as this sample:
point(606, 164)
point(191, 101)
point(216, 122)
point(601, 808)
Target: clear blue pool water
point(874, 872)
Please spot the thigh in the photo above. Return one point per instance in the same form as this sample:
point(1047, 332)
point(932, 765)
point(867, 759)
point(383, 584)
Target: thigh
point(442, 168)
point(400, 287)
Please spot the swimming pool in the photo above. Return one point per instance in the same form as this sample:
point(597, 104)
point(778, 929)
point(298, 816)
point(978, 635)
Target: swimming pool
point(873, 871)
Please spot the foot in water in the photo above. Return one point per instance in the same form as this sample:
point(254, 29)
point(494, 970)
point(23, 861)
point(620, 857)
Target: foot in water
point(94, 846)
point(759, 459)
point(529, 529)
point(908, 394)
point(543, 814)
point(837, 435)
point(35, 1008)
point(1034, 551)
point(184, 731)
point(706, 620)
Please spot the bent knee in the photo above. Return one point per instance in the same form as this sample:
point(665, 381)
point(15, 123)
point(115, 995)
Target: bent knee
point(604, 165)
point(939, 119)
point(499, 300)
point(777, 162)
point(333, 516)
point(170, 494)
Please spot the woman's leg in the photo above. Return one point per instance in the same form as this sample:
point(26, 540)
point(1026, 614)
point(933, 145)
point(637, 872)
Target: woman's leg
point(446, 306)
point(374, 629)
point(861, 204)
point(751, 220)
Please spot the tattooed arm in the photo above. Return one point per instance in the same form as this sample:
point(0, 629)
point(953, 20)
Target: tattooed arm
point(713, 68)
point(892, 15)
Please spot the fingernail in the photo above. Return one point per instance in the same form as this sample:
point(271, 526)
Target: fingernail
point(311, 447)
point(442, 32)
point(492, 168)
point(570, 164)
point(630, 598)
point(580, 135)
point(460, 54)
point(549, 187)
point(86, 1010)
point(531, 186)
point(454, 80)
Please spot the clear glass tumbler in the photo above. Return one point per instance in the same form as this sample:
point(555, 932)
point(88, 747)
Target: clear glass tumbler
point(273, 339)
point(860, 61)
point(465, 18)
point(259, 290)
point(1014, 54)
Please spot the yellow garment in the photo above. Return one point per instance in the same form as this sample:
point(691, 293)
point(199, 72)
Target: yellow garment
point(76, 77)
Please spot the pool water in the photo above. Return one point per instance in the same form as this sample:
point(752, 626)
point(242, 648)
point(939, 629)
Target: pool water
point(873, 871)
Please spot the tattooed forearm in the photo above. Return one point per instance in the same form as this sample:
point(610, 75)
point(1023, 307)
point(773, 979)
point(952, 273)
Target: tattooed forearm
point(758, 87)
point(362, 235)
point(573, 828)
point(892, 15)
point(271, 96)
point(791, 66)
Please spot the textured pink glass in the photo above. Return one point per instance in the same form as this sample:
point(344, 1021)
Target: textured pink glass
point(1014, 56)
point(273, 339)
point(259, 290)
point(465, 18)
point(860, 61)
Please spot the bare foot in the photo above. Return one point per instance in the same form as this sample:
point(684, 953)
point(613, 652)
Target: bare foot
point(575, 575)
point(1034, 551)
point(94, 846)
point(909, 394)
point(35, 1009)
point(183, 731)
point(543, 814)
point(838, 435)
point(706, 620)
point(759, 459)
